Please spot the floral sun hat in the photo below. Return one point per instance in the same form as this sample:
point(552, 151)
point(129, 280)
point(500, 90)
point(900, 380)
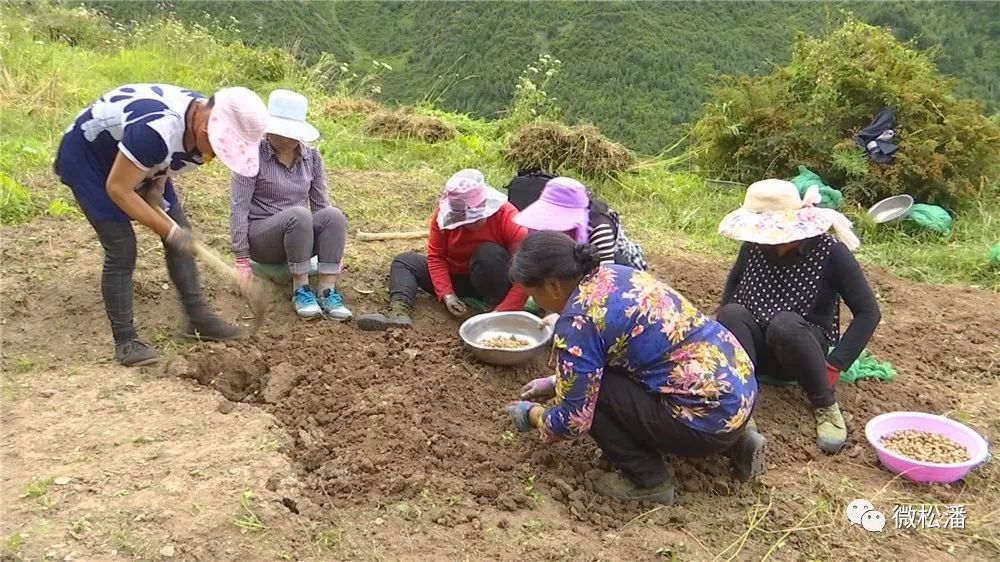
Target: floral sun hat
point(467, 198)
point(563, 206)
point(235, 128)
point(773, 213)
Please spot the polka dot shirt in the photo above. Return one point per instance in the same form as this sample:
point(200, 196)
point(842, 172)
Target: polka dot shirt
point(768, 288)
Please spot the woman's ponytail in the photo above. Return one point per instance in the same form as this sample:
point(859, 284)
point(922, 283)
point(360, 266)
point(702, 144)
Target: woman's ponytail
point(587, 257)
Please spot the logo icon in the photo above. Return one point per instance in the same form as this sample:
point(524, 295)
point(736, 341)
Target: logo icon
point(856, 510)
point(873, 521)
point(862, 512)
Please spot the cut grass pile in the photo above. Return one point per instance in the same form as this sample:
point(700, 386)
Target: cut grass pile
point(554, 146)
point(404, 124)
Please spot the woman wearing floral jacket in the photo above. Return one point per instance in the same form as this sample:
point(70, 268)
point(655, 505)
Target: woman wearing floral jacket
point(640, 370)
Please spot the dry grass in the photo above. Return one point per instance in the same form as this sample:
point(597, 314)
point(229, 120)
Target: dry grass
point(343, 107)
point(405, 124)
point(555, 147)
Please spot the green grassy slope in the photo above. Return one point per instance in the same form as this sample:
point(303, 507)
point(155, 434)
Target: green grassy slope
point(639, 70)
point(44, 82)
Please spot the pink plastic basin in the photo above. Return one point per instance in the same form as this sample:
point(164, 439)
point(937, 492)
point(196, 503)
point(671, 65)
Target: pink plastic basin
point(926, 472)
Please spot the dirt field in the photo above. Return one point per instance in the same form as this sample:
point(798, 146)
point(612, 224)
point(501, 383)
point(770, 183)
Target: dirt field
point(316, 441)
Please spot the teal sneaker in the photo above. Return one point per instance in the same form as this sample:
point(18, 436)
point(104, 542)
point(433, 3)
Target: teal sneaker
point(332, 305)
point(305, 303)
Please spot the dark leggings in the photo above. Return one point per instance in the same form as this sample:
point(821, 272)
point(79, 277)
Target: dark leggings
point(634, 428)
point(487, 278)
point(789, 348)
point(118, 240)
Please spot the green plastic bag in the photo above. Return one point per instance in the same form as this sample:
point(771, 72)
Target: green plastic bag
point(865, 367)
point(931, 217)
point(475, 304)
point(532, 307)
point(830, 198)
point(995, 254)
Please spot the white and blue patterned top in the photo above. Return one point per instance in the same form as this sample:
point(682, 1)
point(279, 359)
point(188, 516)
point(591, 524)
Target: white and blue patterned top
point(146, 123)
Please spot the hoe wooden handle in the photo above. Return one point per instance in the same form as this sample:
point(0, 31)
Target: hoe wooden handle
point(407, 235)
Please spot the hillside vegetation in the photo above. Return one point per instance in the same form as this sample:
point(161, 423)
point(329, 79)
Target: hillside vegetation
point(45, 81)
point(638, 70)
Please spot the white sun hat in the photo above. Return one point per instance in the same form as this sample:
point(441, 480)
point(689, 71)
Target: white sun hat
point(287, 116)
point(774, 213)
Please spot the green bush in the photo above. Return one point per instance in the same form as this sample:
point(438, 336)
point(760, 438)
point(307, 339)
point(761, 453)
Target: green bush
point(807, 113)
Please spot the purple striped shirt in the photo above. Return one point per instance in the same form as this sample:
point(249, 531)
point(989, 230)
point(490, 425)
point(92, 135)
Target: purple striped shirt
point(275, 188)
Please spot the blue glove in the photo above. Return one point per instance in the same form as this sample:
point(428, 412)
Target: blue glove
point(518, 412)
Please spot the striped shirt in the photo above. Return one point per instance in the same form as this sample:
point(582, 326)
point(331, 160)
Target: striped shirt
point(602, 236)
point(276, 187)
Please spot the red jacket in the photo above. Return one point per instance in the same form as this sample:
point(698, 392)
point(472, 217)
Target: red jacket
point(449, 251)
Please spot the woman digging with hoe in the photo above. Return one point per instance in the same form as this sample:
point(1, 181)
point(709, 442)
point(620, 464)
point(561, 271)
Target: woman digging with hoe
point(473, 236)
point(639, 369)
point(118, 158)
point(782, 297)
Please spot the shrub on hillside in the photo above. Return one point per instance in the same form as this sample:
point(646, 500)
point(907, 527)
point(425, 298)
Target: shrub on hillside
point(553, 146)
point(404, 124)
point(808, 112)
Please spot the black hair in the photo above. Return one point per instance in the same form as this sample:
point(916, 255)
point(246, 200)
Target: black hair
point(548, 255)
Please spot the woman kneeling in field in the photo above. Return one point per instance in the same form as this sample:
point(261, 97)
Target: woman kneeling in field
point(472, 237)
point(565, 205)
point(639, 369)
point(782, 298)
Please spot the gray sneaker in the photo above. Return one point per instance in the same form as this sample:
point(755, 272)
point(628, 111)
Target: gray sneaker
point(134, 353)
point(398, 317)
point(747, 456)
point(614, 485)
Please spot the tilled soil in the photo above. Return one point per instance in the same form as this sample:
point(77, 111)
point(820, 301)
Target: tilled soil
point(397, 442)
point(390, 418)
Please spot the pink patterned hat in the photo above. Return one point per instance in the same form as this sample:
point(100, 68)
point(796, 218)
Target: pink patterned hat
point(236, 127)
point(467, 198)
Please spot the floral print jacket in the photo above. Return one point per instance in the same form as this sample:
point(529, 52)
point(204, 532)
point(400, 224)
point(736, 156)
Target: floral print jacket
point(625, 320)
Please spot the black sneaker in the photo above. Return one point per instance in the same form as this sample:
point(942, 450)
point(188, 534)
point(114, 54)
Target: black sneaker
point(398, 317)
point(209, 327)
point(134, 353)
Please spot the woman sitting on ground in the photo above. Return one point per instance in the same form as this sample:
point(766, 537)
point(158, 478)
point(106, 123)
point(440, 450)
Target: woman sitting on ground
point(639, 369)
point(472, 238)
point(566, 206)
point(283, 214)
point(119, 157)
point(782, 297)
